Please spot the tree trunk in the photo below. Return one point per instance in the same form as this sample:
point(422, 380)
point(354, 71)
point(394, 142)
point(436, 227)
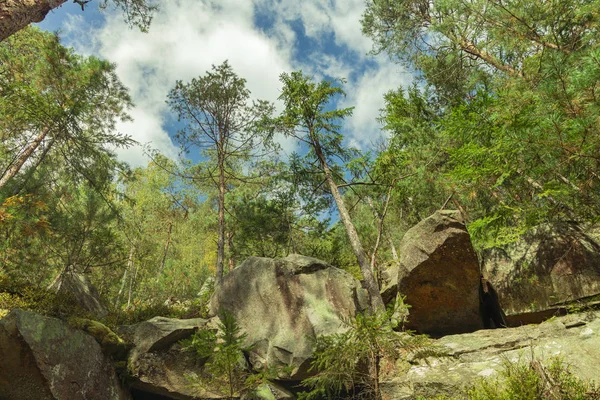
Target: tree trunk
point(230, 247)
point(380, 229)
point(124, 279)
point(365, 267)
point(17, 14)
point(392, 246)
point(16, 167)
point(132, 277)
point(221, 240)
point(31, 170)
point(167, 244)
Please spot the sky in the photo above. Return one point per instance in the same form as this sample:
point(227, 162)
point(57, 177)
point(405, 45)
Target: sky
point(260, 38)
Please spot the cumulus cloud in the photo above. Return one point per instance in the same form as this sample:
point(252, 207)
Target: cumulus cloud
point(188, 36)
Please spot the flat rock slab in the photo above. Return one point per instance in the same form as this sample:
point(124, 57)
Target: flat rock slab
point(484, 353)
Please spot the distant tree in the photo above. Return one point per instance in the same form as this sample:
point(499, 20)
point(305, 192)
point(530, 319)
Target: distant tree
point(309, 118)
point(223, 126)
point(17, 14)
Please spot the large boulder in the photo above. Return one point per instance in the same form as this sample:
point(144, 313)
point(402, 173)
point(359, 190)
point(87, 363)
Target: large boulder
point(439, 275)
point(550, 266)
point(44, 358)
point(281, 303)
point(483, 354)
point(78, 287)
point(158, 365)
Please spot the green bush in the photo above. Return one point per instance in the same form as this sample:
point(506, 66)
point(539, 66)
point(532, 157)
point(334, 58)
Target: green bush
point(531, 381)
point(225, 371)
point(348, 364)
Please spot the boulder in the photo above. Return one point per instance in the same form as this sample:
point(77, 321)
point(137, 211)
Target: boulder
point(281, 303)
point(389, 282)
point(160, 333)
point(44, 358)
point(483, 354)
point(269, 391)
point(78, 286)
point(549, 267)
point(439, 275)
point(157, 364)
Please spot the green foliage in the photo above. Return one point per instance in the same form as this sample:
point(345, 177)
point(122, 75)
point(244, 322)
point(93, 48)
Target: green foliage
point(506, 125)
point(348, 364)
point(531, 381)
point(225, 371)
point(225, 127)
point(39, 301)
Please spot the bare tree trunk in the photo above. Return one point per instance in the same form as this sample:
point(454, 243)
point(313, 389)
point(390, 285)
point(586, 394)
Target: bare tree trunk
point(380, 228)
point(17, 14)
point(392, 246)
point(132, 278)
point(221, 240)
point(25, 154)
point(167, 244)
point(124, 279)
point(230, 247)
point(31, 170)
point(365, 267)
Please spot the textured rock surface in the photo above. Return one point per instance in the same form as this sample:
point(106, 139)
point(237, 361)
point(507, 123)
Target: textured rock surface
point(550, 266)
point(44, 358)
point(79, 287)
point(482, 354)
point(439, 275)
point(281, 303)
point(157, 363)
point(389, 282)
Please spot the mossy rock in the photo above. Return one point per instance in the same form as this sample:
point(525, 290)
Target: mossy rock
point(109, 341)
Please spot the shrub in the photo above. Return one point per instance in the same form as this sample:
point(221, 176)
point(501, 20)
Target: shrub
point(348, 364)
point(225, 371)
point(531, 381)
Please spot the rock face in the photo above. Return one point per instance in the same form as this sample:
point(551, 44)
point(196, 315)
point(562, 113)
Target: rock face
point(550, 266)
point(43, 358)
point(439, 275)
point(280, 303)
point(78, 286)
point(483, 353)
point(157, 363)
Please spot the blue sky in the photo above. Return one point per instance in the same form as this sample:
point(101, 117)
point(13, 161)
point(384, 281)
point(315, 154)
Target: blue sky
point(260, 38)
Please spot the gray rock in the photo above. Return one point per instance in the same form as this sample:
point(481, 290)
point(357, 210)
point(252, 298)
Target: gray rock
point(281, 303)
point(269, 391)
point(157, 363)
point(483, 354)
point(389, 283)
point(79, 287)
point(549, 267)
point(44, 358)
point(160, 332)
point(439, 275)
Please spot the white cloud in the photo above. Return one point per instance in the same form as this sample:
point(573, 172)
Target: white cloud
point(366, 95)
point(188, 36)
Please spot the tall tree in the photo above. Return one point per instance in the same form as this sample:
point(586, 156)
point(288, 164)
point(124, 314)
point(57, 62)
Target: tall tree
point(223, 125)
point(17, 14)
point(309, 118)
point(514, 86)
point(53, 101)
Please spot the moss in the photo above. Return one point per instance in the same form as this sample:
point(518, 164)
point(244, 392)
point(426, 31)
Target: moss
point(109, 341)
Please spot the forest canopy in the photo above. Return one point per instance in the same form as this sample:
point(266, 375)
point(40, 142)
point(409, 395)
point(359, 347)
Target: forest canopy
point(500, 123)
